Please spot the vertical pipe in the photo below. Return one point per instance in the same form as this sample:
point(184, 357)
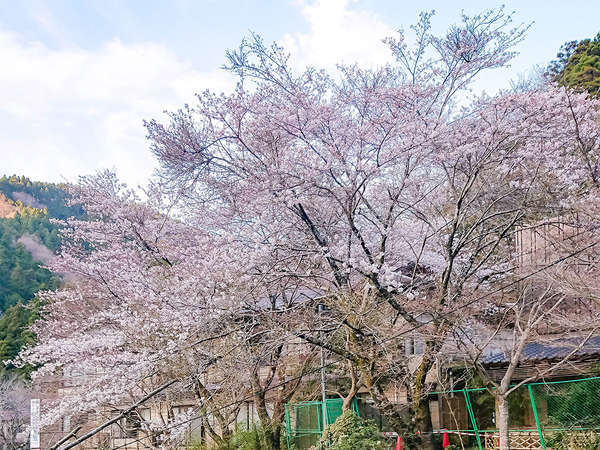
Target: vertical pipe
point(247, 416)
point(537, 419)
point(472, 416)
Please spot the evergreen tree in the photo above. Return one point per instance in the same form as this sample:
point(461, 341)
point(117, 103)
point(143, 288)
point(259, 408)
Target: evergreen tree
point(578, 65)
point(15, 332)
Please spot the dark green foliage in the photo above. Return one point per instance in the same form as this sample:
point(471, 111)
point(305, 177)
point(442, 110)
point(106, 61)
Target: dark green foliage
point(241, 439)
point(15, 332)
point(20, 275)
point(247, 439)
point(578, 65)
point(556, 67)
point(20, 278)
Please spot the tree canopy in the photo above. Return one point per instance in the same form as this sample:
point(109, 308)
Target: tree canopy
point(578, 65)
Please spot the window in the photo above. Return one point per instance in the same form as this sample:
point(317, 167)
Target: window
point(413, 346)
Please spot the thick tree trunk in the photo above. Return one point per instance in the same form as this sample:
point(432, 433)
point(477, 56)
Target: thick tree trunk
point(266, 422)
point(423, 422)
point(420, 399)
point(202, 394)
point(502, 422)
point(272, 429)
point(271, 424)
point(393, 416)
point(347, 403)
point(391, 411)
point(214, 436)
point(273, 437)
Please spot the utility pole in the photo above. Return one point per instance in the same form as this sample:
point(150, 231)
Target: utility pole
point(323, 393)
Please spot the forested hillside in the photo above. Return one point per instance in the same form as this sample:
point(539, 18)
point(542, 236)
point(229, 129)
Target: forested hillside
point(45, 196)
point(27, 240)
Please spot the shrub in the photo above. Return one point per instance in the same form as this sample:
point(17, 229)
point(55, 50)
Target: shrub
point(350, 432)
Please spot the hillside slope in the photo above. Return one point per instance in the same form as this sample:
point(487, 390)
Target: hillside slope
point(28, 240)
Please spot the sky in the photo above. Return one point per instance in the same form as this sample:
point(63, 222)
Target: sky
point(78, 77)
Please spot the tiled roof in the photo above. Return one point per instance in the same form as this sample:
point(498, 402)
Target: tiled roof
point(550, 350)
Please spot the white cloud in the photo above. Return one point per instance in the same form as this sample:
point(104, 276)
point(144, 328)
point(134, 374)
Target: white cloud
point(338, 33)
point(71, 111)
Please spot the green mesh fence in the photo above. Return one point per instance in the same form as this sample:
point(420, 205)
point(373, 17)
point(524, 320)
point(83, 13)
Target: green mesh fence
point(545, 415)
point(552, 415)
point(569, 413)
point(304, 421)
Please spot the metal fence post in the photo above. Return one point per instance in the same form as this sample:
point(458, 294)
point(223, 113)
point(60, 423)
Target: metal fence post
point(535, 414)
point(472, 416)
point(288, 431)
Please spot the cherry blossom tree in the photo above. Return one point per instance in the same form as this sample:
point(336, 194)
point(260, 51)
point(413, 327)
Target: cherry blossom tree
point(14, 414)
point(154, 307)
point(144, 301)
point(371, 192)
point(262, 367)
point(373, 179)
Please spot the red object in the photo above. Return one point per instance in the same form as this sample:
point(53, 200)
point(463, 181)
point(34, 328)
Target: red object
point(446, 440)
point(399, 445)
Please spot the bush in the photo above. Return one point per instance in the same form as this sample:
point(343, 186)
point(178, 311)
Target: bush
point(241, 439)
point(350, 432)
